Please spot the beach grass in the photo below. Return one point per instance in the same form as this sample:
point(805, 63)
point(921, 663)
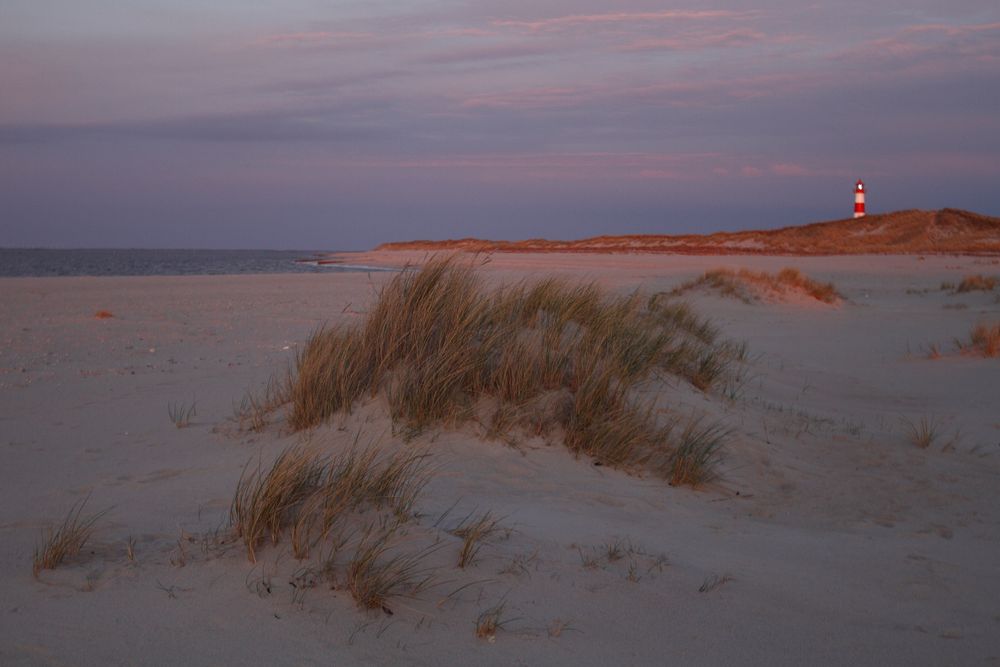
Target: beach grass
point(921, 432)
point(65, 540)
point(311, 494)
point(984, 340)
point(440, 346)
point(474, 533)
point(694, 460)
point(748, 286)
point(977, 282)
point(491, 620)
point(377, 571)
point(181, 413)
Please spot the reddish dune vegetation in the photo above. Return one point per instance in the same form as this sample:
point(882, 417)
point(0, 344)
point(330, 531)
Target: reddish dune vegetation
point(902, 232)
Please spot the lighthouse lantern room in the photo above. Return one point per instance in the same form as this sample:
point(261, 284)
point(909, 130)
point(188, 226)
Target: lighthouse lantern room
point(859, 199)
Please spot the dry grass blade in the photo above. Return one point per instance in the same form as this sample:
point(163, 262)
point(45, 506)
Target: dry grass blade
point(255, 408)
point(977, 282)
point(491, 620)
point(65, 540)
point(557, 627)
point(694, 460)
point(474, 533)
point(263, 502)
point(311, 493)
point(378, 572)
point(331, 372)
point(710, 364)
point(984, 340)
point(181, 413)
point(714, 582)
point(922, 432)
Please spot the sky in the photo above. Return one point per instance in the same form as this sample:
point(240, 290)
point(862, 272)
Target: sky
point(325, 124)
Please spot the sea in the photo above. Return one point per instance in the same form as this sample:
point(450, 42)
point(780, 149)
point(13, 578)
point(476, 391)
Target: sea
point(151, 262)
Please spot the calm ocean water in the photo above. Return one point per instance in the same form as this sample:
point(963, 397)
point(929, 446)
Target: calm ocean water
point(47, 262)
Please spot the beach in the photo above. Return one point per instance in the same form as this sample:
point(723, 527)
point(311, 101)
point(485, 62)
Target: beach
point(828, 538)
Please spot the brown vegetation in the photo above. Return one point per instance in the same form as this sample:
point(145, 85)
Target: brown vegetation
point(984, 340)
point(902, 232)
point(181, 413)
point(377, 573)
point(443, 349)
point(693, 461)
point(313, 494)
point(474, 533)
point(104, 314)
point(66, 540)
point(922, 432)
point(977, 282)
point(750, 286)
point(490, 621)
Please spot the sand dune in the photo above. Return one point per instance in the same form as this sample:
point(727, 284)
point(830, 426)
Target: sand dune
point(901, 232)
point(829, 537)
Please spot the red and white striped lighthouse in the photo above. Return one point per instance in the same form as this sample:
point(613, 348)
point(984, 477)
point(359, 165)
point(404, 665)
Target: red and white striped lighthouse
point(859, 199)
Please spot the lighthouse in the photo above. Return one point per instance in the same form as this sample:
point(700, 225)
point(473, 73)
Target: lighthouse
point(859, 199)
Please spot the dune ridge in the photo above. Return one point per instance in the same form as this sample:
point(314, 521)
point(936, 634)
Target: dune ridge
point(947, 231)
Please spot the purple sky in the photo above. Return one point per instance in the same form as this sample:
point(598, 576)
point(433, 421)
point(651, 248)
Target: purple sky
point(338, 125)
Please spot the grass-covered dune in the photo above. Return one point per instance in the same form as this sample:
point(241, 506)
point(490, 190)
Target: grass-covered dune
point(547, 356)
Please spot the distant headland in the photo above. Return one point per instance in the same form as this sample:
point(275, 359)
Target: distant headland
point(947, 231)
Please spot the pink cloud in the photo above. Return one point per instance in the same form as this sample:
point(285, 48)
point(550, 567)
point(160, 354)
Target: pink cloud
point(970, 41)
point(751, 172)
point(311, 38)
point(677, 94)
point(492, 52)
point(787, 169)
point(561, 22)
point(461, 32)
point(535, 98)
point(571, 166)
point(659, 174)
point(697, 41)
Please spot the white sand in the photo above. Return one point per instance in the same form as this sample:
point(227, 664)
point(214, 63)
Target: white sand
point(845, 545)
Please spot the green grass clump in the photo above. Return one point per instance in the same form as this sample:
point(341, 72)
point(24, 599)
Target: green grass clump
point(440, 346)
